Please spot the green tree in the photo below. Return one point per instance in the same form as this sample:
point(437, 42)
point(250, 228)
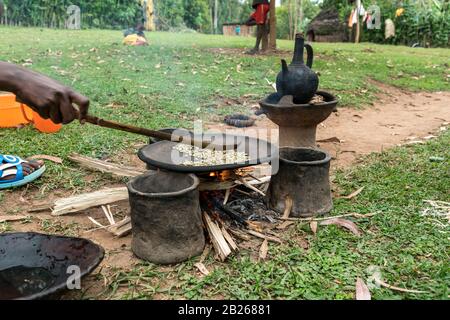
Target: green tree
point(285, 25)
point(197, 15)
point(170, 13)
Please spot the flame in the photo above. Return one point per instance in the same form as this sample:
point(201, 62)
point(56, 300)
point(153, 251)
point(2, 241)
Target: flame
point(221, 175)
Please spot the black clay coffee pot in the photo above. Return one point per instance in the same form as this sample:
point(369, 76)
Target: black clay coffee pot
point(297, 79)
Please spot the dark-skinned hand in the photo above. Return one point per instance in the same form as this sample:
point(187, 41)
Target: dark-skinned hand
point(49, 98)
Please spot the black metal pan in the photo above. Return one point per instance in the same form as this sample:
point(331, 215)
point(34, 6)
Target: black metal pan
point(38, 266)
point(162, 155)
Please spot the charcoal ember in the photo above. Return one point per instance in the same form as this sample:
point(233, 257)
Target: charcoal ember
point(253, 209)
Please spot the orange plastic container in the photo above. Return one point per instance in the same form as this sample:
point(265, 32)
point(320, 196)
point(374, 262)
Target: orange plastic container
point(11, 114)
point(43, 125)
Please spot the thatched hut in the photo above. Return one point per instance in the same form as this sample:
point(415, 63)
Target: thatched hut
point(327, 27)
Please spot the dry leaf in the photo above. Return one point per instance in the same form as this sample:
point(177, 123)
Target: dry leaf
point(343, 223)
point(46, 157)
point(313, 226)
point(11, 218)
point(354, 194)
point(157, 66)
point(201, 267)
point(362, 292)
point(264, 250)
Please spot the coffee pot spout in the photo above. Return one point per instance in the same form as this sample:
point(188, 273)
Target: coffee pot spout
point(284, 67)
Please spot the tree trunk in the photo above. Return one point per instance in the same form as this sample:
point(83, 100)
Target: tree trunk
point(149, 15)
point(273, 26)
point(216, 16)
point(358, 28)
point(301, 15)
point(290, 19)
point(296, 19)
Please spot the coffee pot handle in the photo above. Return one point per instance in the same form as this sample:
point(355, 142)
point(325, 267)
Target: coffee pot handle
point(310, 55)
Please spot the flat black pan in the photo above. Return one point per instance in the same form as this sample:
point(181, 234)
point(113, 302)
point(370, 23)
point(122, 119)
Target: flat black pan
point(37, 266)
point(162, 155)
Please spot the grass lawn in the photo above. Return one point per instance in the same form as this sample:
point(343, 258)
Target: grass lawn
point(180, 78)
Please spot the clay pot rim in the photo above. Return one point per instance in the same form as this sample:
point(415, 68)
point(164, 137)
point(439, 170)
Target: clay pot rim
point(306, 163)
point(334, 101)
point(195, 184)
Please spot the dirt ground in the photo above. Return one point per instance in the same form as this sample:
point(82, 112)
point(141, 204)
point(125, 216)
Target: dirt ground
point(397, 117)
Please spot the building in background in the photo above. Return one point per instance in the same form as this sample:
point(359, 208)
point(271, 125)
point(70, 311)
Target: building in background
point(327, 27)
point(238, 29)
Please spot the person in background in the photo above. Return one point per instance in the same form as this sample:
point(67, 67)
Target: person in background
point(259, 18)
point(138, 30)
point(51, 100)
point(135, 36)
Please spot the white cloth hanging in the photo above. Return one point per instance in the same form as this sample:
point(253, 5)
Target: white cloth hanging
point(390, 29)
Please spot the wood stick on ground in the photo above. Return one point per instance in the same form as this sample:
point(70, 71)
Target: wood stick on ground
point(205, 253)
point(263, 236)
point(386, 285)
point(108, 215)
point(354, 214)
point(106, 167)
point(96, 222)
point(240, 235)
point(41, 206)
point(11, 218)
point(285, 224)
point(121, 228)
point(229, 239)
point(88, 200)
point(353, 194)
point(220, 244)
point(122, 231)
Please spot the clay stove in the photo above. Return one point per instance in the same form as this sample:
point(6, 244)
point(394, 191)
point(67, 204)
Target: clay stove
point(298, 122)
point(302, 182)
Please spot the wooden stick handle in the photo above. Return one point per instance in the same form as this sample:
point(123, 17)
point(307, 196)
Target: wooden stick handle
point(143, 131)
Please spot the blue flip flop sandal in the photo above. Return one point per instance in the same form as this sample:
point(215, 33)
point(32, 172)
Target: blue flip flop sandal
point(12, 165)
